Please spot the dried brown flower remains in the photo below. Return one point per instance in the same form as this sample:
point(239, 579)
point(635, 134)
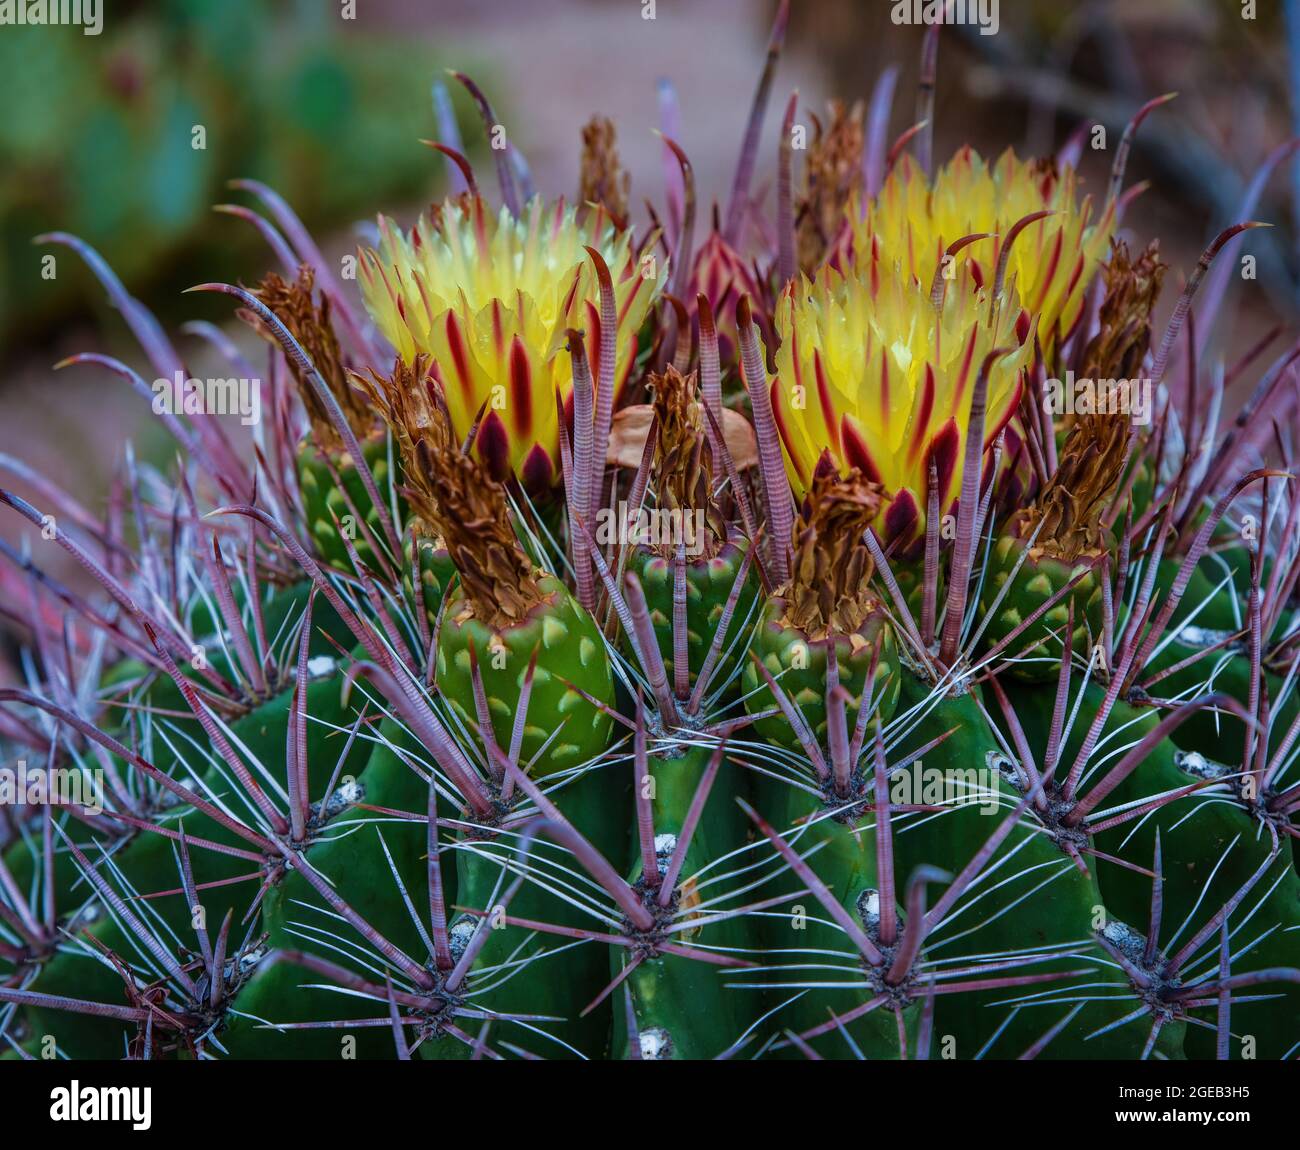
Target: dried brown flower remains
point(602, 179)
point(684, 461)
point(410, 401)
point(309, 322)
point(1073, 502)
point(1132, 287)
point(828, 593)
point(832, 176)
point(1092, 458)
point(469, 509)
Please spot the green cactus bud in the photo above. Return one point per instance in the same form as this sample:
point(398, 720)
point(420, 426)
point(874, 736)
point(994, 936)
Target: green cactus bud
point(333, 505)
point(709, 585)
point(571, 659)
point(1033, 577)
point(799, 665)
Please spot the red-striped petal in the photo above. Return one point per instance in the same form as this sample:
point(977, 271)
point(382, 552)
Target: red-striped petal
point(494, 447)
point(521, 389)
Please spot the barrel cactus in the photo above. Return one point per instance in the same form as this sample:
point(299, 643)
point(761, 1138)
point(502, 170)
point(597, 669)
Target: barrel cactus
point(600, 657)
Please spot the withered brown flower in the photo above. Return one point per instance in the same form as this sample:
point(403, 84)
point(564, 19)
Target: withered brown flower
point(683, 465)
point(309, 322)
point(410, 401)
point(1071, 506)
point(1124, 337)
point(832, 177)
point(828, 593)
point(469, 511)
point(602, 179)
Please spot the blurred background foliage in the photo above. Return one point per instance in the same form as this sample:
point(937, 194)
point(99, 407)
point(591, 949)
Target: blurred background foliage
point(96, 131)
point(97, 138)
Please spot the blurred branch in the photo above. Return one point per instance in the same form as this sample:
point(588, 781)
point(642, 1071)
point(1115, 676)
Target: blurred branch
point(1181, 154)
point(1089, 21)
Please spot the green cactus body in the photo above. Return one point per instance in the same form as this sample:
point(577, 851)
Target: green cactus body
point(708, 586)
point(800, 933)
point(912, 584)
point(183, 753)
point(1211, 847)
point(1226, 670)
point(1231, 553)
point(1219, 736)
point(520, 971)
point(798, 664)
point(282, 610)
point(1030, 896)
point(1040, 577)
point(1195, 832)
point(1230, 556)
point(327, 508)
point(22, 862)
point(351, 855)
point(570, 654)
point(147, 863)
point(1209, 601)
point(683, 1007)
point(838, 834)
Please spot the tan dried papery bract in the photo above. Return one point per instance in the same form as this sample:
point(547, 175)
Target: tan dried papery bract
point(832, 177)
point(602, 178)
point(828, 593)
point(1075, 499)
point(684, 460)
point(410, 401)
point(1118, 349)
point(470, 513)
point(309, 323)
point(1091, 465)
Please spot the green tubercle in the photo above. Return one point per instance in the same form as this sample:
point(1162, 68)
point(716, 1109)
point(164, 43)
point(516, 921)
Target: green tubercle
point(563, 729)
point(1038, 579)
point(798, 664)
point(709, 582)
point(333, 505)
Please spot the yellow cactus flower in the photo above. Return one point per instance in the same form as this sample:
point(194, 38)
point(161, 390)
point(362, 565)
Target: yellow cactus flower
point(881, 373)
point(491, 299)
point(909, 226)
